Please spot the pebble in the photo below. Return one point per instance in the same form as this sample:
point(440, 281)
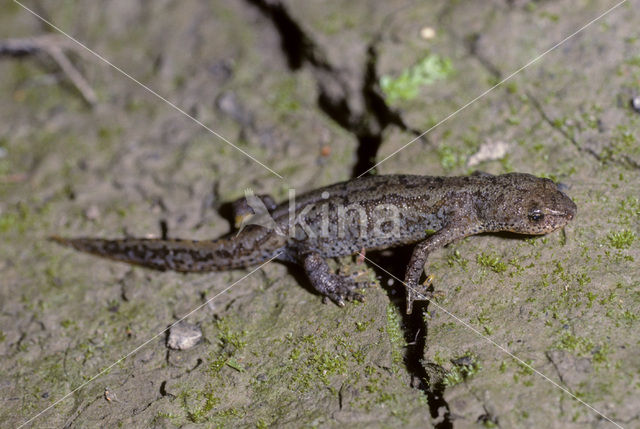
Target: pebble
point(427, 33)
point(229, 104)
point(635, 103)
point(184, 336)
point(92, 213)
point(490, 151)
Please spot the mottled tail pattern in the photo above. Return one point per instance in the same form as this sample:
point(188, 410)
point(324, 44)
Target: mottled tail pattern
point(174, 254)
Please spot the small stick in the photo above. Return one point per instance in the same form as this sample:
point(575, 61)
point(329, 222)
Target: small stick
point(54, 46)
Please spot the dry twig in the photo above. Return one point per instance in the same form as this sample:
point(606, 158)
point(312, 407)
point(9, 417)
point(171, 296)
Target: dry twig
point(54, 46)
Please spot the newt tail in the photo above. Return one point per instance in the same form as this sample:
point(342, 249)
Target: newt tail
point(172, 254)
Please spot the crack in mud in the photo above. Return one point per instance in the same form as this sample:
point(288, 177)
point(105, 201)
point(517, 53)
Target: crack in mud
point(426, 376)
point(360, 110)
point(471, 43)
point(438, 406)
point(79, 410)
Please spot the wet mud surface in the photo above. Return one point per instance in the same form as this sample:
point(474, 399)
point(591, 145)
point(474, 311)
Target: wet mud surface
point(317, 92)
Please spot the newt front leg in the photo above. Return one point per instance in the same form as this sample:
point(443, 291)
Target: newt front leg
point(446, 235)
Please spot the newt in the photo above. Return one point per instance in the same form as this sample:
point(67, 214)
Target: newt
point(364, 214)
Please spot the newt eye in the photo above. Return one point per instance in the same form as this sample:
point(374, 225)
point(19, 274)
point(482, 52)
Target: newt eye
point(536, 215)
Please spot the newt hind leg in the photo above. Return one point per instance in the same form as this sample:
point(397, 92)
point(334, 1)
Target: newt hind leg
point(336, 287)
point(249, 205)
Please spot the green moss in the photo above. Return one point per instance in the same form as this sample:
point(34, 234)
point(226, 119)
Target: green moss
point(621, 239)
point(229, 338)
point(462, 371)
point(295, 354)
point(574, 343)
point(583, 279)
point(625, 136)
point(230, 342)
point(199, 404)
point(448, 157)
point(492, 262)
point(634, 61)
point(232, 363)
point(601, 354)
point(359, 356)
point(318, 366)
point(590, 120)
point(560, 273)
point(456, 258)
point(439, 359)
point(362, 326)
point(18, 220)
point(407, 86)
point(396, 336)
point(525, 370)
point(326, 363)
point(377, 390)
point(513, 120)
point(505, 163)
point(452, 157)
point(229, 412)
point(553, 17)
point(312, 362)
point(517, 266)
point(489, 423)
point(8, 221)
point(484, 319)
point(623, 143)
point(629, 316)
point(283, 98)
point(629, 209)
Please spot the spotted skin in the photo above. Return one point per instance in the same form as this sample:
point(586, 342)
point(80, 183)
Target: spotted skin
point(370, 213)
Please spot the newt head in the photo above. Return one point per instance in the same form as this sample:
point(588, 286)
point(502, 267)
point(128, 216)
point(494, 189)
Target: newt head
point(526, 204)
